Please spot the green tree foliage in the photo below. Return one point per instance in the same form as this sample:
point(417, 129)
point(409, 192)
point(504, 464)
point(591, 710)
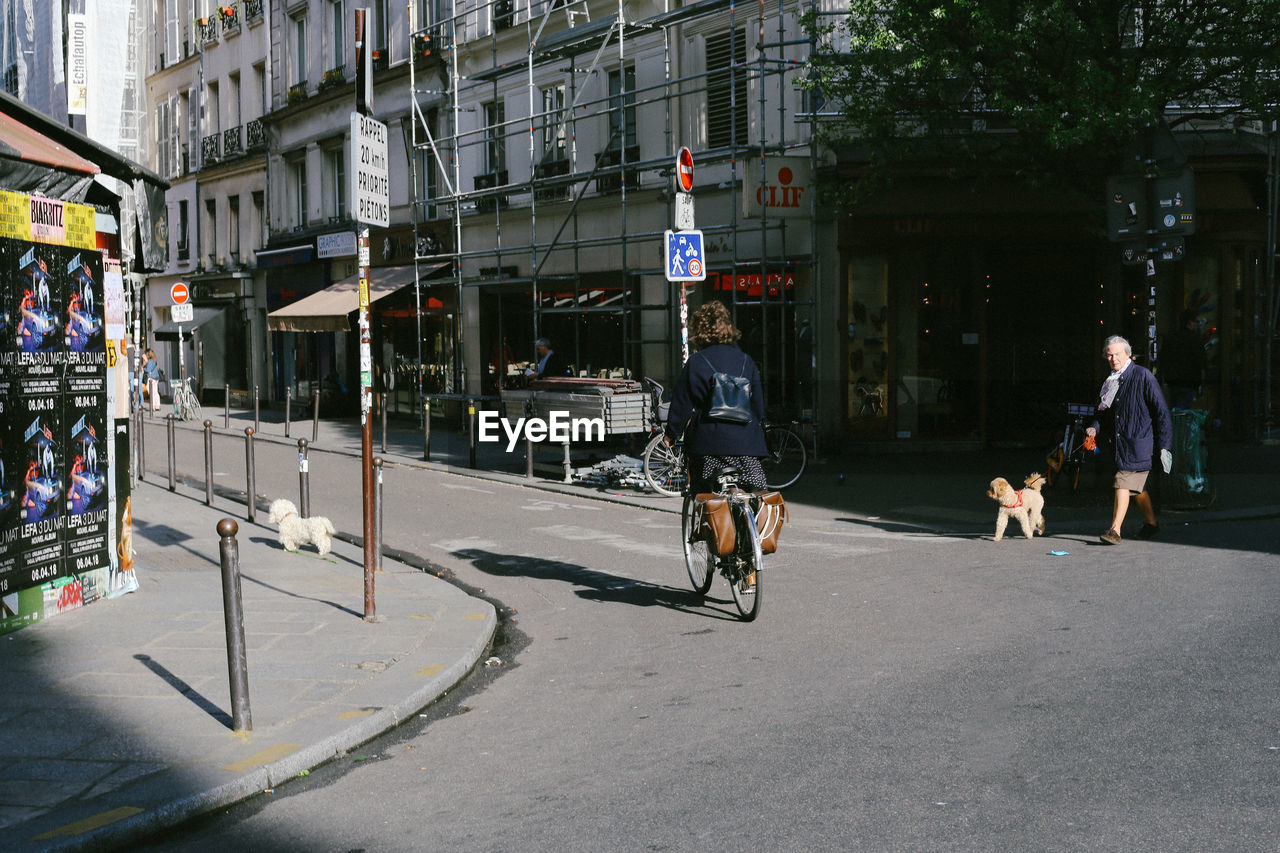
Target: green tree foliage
point(1053, 90)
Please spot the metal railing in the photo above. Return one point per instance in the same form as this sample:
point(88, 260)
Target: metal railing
point(210, 149)
point(231, 141)
point(252, 9)
point(208, 28)
point(255, 135)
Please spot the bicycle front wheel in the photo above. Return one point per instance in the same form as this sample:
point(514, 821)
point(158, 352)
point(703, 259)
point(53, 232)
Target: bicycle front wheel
point(697, 555)
point(664, 467)
point(787, 457)
point(746, 585)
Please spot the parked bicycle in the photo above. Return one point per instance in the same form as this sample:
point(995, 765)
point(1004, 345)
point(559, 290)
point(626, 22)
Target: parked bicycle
point(1066, 458)
point(185, 405)
point(742, 566)
point(666, 470)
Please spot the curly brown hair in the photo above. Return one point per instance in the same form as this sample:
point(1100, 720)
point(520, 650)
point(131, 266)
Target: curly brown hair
point(711, 324)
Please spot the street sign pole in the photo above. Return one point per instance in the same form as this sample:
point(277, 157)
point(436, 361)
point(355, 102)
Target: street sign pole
point(364, 157)
point(684, 221)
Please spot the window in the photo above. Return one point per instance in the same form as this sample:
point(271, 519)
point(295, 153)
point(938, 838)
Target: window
point(212, 122)
point(260, 85)
point(337, 202)
point(259, 219)
point(553, 125)
point(163, 166)
point(495, 140)
point(184, 243)
point(337, 34)
point(298, 171)
point(233, 99)
point(184, 109)
point(726, 90)
point(380, 27)
point(233, 228)
point(211, 230)
point(299, 51)
point(622, 91)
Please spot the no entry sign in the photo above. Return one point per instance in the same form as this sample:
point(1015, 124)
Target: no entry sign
point(684, 170)
point(180, 293)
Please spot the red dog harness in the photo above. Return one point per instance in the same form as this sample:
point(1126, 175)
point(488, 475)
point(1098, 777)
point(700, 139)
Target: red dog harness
point(1019, 503)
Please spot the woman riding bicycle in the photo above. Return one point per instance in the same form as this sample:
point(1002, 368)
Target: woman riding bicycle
point(713, 445)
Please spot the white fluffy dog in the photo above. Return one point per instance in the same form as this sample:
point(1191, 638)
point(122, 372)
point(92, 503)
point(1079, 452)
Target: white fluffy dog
point(1026, 505)
point(296, 531)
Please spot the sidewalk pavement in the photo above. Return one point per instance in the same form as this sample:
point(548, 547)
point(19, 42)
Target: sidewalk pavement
point(116, 717)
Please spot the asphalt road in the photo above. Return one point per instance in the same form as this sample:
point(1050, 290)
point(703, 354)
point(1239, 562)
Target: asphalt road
point(902, 690)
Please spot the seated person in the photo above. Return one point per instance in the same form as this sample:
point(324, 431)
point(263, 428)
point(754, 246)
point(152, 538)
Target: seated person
point(548, 364)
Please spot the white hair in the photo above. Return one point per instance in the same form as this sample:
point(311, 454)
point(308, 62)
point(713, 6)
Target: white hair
point(1116, 339)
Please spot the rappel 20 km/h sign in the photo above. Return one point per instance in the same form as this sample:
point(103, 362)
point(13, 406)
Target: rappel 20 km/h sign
point(370, 179)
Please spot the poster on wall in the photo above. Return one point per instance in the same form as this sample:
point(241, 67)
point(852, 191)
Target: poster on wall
point(10, 482)
point(38, 414)
point(85, 487)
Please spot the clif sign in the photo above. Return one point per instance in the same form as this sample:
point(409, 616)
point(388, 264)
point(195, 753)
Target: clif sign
point(784, 192)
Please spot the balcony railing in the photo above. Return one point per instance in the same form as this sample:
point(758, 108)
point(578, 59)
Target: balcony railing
point(296, 94)
point(210, 150)
point(231, 141)
point(488, 181)
point(256, 135)
point(552, 191)
point(252, 9)
point(208, 29)
point(230, 18)
point(186, 159)
point(609, 177)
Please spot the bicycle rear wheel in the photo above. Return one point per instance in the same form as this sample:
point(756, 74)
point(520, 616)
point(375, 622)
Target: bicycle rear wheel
point(787, 457)
point(664, 467)
point(698, 560)
point(746, 583)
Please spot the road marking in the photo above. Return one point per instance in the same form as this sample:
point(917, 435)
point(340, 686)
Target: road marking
point(573, 533)
point(476, 616)
point(90, 823)
point(267, 755)
point(351, 715)
point(430, 671)
point(468, 488)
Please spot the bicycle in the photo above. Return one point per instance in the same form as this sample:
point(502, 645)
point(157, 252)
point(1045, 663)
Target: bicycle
point(787, 456)
point(664, 465)
point(742, 567)
point(1066, 458)
point(185, 405)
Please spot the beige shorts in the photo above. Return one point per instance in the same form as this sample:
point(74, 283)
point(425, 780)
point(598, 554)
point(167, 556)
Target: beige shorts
point(1134, 481)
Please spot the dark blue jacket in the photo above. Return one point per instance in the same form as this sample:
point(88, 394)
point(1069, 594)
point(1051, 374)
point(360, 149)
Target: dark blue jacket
point(691, 392)
point(1138, 421)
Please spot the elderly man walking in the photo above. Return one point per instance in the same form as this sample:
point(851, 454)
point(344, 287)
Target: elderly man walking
point(1133, 413)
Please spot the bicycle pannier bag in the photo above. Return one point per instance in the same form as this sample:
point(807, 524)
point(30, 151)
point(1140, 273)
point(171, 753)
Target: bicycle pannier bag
point(715, 523)
point(730, 398)
point(769, 518)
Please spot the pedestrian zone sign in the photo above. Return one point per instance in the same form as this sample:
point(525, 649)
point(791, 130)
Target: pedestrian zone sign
point(685, 258)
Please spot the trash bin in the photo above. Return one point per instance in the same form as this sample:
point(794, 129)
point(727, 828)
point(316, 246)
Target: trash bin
point(1187, 486)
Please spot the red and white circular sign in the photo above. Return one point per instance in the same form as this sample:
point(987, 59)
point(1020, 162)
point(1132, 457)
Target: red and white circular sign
point(684, 170)
point(180, 293)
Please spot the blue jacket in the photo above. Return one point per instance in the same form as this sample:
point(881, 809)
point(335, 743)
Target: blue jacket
point(690, 394)
point(1138, 422)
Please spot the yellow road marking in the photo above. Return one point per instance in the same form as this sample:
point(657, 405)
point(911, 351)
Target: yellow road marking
point(90, 823)
point(271, 753)
point(475, 615)
point(363, 712)
point(429, 671)
point(243, 737)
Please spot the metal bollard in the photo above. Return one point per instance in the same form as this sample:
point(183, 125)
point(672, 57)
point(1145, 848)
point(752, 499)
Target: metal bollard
point(471, 432)
point(304, 481)
point(250, 478)
point(288, 405)
point(315, 420)
point(384, 421)
point(173, 479)
point(208, 463)
point(426, 430)
point(142, 448)
point(226, 406)
point(528, 458)
point(377, 513)
point(256, 425)
point(233, 618)
point(568, 466)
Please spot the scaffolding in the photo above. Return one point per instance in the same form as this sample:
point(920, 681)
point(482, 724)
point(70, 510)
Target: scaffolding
point(551, 220)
